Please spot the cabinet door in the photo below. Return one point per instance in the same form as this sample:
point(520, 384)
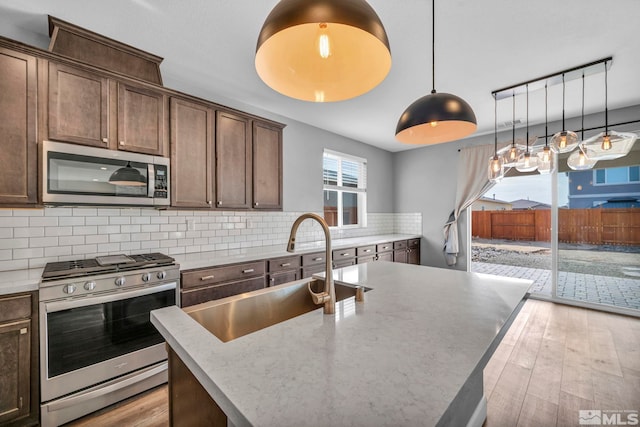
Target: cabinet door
point(385, 256)
point(267, 166)
point(400, 255)
point(233, 161)
point(18, 163)
point(15, 357)
point(140, 120)
point(413, 257)
point(78, 106)
point(284, 277)
point(191, 154)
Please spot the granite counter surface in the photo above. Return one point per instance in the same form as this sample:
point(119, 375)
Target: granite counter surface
point(398, 358)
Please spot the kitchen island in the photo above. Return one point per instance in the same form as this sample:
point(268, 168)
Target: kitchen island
point(411, 354)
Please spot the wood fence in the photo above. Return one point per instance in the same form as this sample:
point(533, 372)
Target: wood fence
point(593, 226)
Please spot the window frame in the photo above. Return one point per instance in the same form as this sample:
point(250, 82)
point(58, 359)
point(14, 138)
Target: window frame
point(360, 190)
point(605, 183)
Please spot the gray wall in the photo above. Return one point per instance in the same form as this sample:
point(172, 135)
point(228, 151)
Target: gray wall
point(425, 180)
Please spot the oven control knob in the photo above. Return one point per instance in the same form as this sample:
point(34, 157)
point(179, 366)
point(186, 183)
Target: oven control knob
point(69, 289)
point(146, 277)
point(89, 286)
point(161, 275)
point(120, 281)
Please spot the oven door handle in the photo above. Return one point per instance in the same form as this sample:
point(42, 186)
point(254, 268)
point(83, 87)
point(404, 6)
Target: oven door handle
point(51, 307)
point(101, 391)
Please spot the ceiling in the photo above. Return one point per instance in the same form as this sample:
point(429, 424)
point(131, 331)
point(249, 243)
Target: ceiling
point(481, 46)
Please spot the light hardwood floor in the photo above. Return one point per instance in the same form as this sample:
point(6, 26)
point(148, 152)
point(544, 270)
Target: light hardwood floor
point(553, 361)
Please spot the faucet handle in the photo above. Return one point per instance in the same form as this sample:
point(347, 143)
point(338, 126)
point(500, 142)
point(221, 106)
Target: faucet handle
point(318, 298)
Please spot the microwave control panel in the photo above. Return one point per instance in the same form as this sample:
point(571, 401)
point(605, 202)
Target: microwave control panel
point(161, 190)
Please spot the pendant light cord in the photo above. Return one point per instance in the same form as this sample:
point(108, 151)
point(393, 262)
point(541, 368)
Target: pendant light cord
point(495, 125)
point(433, 46)
point(606, 103)
point(563, 127)
point(546, 123)
point(513, 119)
point(527, 119)
point(582, 122)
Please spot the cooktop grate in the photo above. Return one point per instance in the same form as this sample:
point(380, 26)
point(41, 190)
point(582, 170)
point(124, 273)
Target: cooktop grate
point(88, 267)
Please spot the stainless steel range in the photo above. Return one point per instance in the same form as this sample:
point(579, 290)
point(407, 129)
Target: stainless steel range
point(97, 344)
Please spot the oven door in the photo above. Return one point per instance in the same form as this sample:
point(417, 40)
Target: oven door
point(92, 339)
point(74, 174)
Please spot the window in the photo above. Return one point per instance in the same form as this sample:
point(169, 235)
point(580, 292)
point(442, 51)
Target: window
point(345, 189)
point(621, 175)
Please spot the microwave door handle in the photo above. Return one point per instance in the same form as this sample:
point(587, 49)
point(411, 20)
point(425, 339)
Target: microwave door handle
point(151, 179)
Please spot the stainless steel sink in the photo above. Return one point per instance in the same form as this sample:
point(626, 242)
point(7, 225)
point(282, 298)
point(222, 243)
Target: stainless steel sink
point(239, 315)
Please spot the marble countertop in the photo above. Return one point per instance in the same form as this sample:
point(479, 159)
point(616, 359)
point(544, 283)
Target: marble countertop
point(16, 281)
point(215, 258)
point(398, 358)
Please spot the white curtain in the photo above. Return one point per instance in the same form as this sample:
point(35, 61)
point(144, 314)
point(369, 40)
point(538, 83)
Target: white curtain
point(473, 182)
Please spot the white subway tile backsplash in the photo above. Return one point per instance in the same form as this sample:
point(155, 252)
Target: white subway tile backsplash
point(31, 238)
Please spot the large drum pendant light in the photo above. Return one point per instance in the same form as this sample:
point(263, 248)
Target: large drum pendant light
point(322, 50)
point(437, 117)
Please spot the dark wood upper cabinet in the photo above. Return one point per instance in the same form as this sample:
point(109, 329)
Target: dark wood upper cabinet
point(267, 166)
point(87, 108)
point(140, 120)
point(18, 124)
point(192, 155)
point(78, 106)
point(233, 161)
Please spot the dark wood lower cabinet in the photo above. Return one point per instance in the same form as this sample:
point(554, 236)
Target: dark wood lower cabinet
point(385, 256)
point(222, 290)
point(190, 405)
point(19, 393)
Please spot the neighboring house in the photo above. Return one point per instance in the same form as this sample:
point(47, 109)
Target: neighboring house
point(608, 188)
point(524, 205)
point(490, 204)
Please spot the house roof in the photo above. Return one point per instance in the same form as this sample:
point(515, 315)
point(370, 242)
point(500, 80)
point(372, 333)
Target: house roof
point(490, 199)
point(528, 204)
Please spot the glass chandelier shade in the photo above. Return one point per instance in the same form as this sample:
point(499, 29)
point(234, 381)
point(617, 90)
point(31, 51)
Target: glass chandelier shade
point(546, 161)
point(580, 159)
point(527, 162)
point(510, 157)
point(496, 167)
point(610, 146)
point(436, 117)
point(322, 51)
point(564, 141)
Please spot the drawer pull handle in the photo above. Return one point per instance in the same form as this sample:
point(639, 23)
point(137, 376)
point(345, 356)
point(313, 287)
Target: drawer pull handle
point(318, 259)
point(248, 270)
point(385, 247)
point(367, 250)
point(211, 276)
point(286, 264)
point(345, 254)
point(23, 331)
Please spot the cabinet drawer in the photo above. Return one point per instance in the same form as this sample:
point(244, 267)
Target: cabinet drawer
point(313, 259)
point(197, 296)
point(282, 264)
point(366, 259)
point(386, 256)
point(311, 270)
point(366, 250)
point(340, 254)
point(344, 263)
point(400, 244)
point(280, 278)
point(384, 247)
point(413, 243)
point(13, 308)
point(209, 276)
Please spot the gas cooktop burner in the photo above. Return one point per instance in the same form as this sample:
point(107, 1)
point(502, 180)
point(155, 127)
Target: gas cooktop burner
point(101, 265)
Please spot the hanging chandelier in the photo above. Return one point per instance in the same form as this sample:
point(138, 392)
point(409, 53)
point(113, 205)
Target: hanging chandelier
point(584, 154)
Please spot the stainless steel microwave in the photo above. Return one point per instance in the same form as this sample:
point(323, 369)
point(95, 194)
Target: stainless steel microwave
point(79, 175)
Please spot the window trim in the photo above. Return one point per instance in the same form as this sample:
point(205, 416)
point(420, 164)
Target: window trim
point(360, 191)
